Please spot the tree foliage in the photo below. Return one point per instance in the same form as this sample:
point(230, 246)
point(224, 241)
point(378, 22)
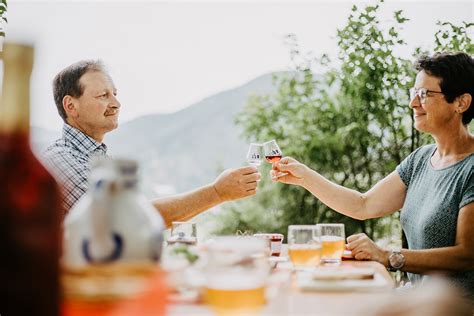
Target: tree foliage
point(3, 19)
point(351, 123)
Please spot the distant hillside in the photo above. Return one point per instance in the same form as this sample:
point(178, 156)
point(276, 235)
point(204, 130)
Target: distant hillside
point(184, 149)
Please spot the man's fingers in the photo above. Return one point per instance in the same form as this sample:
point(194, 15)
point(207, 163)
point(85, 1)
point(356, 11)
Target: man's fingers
point(250, 186)
point(247, 170)
point(251, 192)
point(254, 177)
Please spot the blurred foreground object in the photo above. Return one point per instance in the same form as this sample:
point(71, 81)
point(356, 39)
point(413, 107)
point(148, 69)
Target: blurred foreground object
point(112, 222)
point(30, 211)
point(435, 297)
point(114, 289)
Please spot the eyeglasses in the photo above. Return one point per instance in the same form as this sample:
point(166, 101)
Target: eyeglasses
point(422, 93)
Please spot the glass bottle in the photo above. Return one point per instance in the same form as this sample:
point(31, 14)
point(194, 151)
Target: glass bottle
point(30, 209)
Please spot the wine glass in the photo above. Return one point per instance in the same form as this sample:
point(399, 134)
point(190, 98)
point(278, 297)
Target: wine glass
point(273, 154)
point(255, 154)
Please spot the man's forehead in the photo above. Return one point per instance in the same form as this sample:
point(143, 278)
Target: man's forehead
point(97, 80)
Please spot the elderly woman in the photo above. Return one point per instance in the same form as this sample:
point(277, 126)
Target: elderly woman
point(433, 186)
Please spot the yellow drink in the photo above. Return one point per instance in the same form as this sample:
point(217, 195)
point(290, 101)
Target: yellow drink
point(332, 248)
point(305, 255)
point(235, 301)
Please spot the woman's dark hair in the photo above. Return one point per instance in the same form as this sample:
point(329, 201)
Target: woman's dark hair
point(456, 73)
point(66, 82)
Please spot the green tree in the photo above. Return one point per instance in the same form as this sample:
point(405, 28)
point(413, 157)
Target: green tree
point(3, 19)
point(351, 123)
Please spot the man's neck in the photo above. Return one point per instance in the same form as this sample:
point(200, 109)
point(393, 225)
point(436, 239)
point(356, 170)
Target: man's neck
point(97, 136)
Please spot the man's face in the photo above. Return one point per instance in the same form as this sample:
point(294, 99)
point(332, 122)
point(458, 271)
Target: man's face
point(96, 111)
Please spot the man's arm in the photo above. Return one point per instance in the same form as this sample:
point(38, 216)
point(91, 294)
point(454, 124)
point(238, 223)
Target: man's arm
point(230, 185)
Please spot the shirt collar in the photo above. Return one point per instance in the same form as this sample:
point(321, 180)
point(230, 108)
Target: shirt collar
point(82, 141)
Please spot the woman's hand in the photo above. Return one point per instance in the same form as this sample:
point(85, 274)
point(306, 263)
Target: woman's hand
point(295, 171)
point(363, 248)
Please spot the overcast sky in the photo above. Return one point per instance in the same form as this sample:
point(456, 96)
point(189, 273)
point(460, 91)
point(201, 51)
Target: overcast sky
point(164, 56)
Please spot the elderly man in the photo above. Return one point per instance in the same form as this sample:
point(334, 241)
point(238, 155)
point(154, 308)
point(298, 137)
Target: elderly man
point(86, 99)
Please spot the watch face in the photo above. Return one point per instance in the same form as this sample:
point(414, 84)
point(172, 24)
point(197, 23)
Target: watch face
point(397, 260)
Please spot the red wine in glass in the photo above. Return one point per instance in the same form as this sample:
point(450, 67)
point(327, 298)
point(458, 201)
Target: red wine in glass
point(273, 158)
point(273, 154)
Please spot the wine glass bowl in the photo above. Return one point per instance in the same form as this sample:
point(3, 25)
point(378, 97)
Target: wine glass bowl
point(273, 154)
point(255, 154)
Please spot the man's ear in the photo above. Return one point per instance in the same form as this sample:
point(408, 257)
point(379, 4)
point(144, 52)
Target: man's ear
point(464, 102)
point(69, 106)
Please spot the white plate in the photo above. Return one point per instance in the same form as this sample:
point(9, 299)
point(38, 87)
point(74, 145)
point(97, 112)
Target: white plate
point(306, 282)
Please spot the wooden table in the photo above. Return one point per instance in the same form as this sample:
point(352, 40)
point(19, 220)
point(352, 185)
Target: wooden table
point(285, 298)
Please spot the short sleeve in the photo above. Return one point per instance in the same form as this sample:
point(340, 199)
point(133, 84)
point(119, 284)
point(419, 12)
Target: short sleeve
point(468, 194)
point(405, 169)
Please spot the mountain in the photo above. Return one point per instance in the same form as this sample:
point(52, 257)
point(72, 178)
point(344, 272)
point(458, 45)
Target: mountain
point(182, 150)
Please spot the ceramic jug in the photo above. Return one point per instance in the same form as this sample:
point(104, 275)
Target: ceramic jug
point(112, 221)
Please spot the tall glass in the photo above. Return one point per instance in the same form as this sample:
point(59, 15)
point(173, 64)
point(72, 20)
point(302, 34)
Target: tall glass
point(304, 246)
point(236, 275)
point(183, 233)
point(333, 242)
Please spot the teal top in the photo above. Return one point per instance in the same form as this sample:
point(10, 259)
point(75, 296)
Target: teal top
point(433, 200)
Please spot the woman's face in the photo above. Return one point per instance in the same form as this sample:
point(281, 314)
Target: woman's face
point(435, 114)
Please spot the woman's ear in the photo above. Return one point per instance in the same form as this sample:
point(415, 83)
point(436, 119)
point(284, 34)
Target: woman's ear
point(464, 102)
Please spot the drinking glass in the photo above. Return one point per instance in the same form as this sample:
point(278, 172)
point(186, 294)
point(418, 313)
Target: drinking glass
point(236, 274)
point(273, 154)
point(255, 154)
point(304, 246)
point(183, 233)
point(333, 242)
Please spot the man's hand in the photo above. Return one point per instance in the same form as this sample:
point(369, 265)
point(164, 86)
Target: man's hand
point(363, 248)
point(295, 171)
point(233, 184)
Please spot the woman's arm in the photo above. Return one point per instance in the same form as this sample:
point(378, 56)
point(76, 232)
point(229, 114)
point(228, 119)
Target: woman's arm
point(386, 197)
point(456, 258)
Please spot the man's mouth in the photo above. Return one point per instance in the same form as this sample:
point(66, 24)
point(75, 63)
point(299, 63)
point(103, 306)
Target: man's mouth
point(111, 113)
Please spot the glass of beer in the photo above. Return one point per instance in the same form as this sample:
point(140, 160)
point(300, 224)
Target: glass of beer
point(236, 275)
point(183, 233)
point(304, 246)
point(333, 242)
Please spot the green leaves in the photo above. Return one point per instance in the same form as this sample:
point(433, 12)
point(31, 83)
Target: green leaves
point(454, 38)
point(3, 9)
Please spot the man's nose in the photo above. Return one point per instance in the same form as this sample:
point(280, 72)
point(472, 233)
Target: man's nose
point(115, 102)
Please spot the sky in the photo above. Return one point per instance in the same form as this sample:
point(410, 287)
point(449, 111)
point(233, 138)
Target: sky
point(167, 55)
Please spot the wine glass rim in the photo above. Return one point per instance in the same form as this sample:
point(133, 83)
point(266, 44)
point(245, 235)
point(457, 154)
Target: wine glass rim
point(302, 226)
point(270, 141)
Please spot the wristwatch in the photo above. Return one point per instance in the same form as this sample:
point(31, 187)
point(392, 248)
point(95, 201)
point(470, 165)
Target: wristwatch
point(396, 260)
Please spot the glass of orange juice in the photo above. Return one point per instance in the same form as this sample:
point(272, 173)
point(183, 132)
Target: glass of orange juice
point(332, 242)
point(236, 276)
point(304, 246)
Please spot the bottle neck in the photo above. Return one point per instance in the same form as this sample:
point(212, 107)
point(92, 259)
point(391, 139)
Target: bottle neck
point(14, 105)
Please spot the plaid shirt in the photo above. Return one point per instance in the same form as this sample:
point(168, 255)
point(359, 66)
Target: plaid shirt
point(68, 160)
